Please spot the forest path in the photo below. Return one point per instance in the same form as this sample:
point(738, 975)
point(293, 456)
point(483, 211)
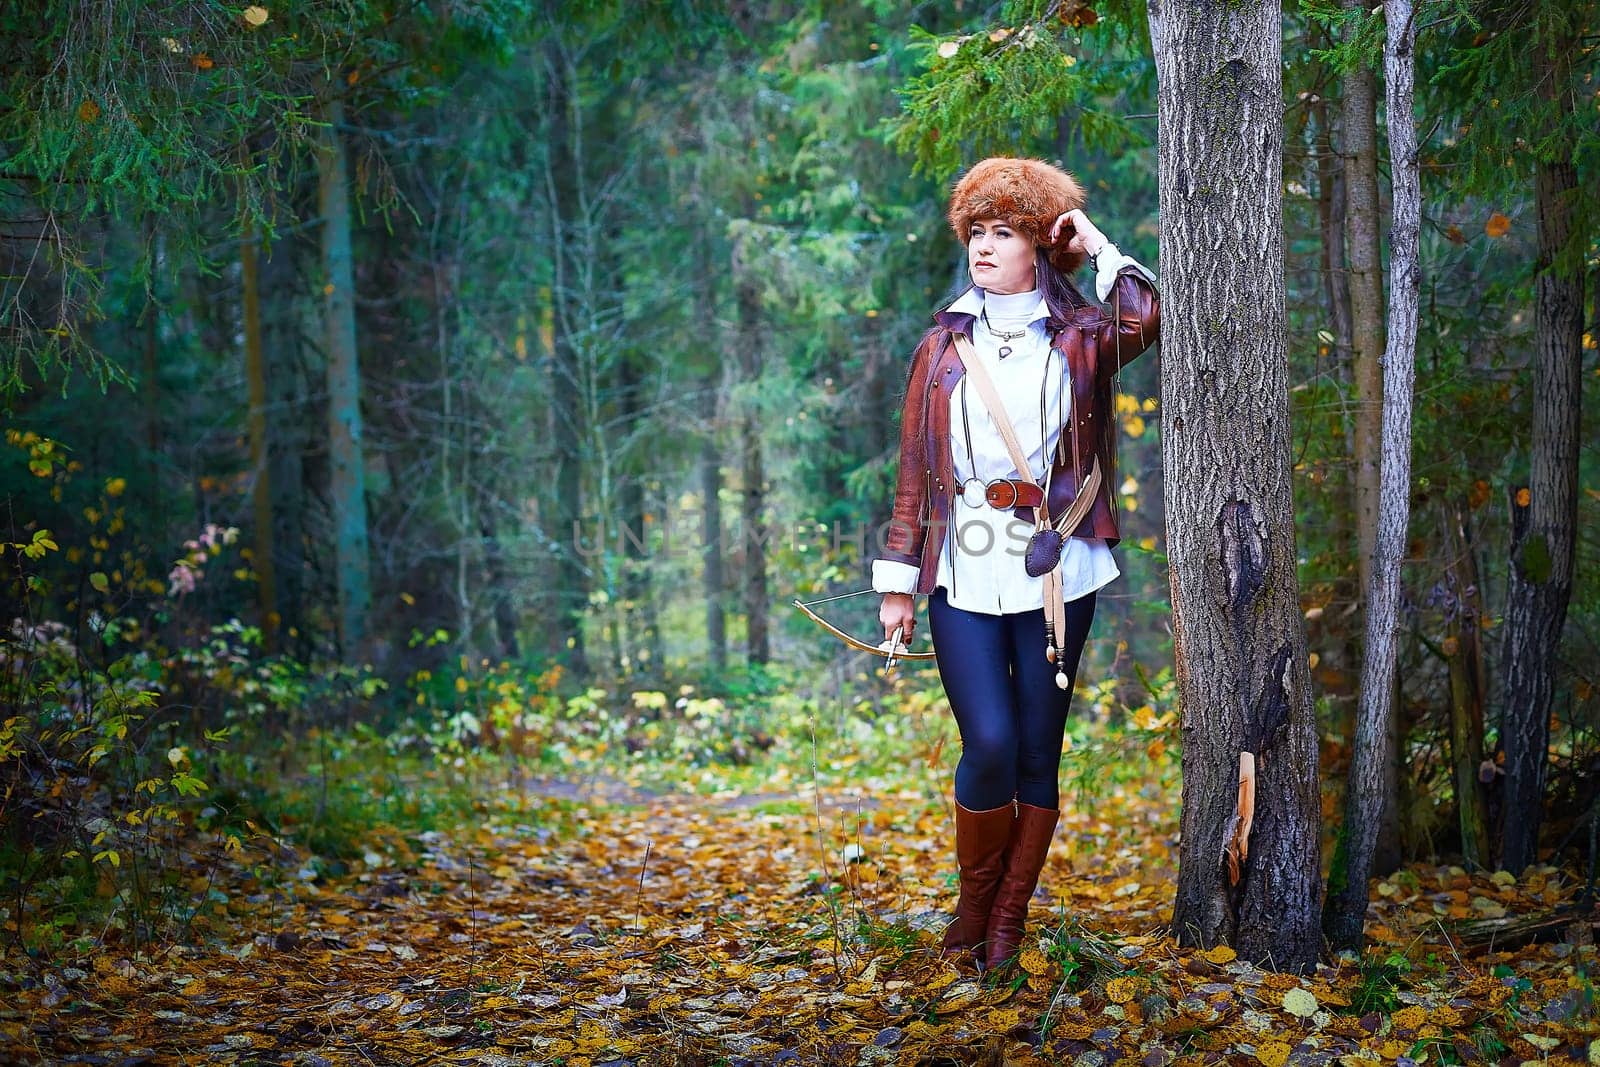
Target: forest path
point(606, 925)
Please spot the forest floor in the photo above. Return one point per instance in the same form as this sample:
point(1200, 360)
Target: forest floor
point(601, 924)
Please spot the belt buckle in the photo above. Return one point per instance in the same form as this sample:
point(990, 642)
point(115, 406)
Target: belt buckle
point(966, 492)
point(1001, 493)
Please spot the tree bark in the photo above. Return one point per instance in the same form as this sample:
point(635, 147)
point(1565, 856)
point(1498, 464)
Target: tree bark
point(263, 555)
point(1359, 125)
point(572, 585)
point(284, 374)
point(752, 505)
point(1544, 529)
point(1464, 649)
point(347, 475)
point(1237, 631)
point(1346, 909)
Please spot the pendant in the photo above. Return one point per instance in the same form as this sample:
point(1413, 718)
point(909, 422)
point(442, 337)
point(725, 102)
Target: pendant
point(1005, 350)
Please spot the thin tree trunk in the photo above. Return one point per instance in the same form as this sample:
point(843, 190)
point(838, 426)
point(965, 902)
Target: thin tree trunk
point(572, 587)
point(1346, 909)
point(1464, 649)
point(1240, 648)
point(347, 475)
point(1359, 126)
point(1544, 529)
point(752, 508)
point(264, 556)
point(713, 580)
point(286, 400)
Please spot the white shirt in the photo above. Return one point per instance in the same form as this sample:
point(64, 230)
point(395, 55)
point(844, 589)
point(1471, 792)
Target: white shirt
point(980, 565)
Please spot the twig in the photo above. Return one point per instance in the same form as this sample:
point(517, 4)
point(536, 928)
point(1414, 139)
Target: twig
point(638, 898)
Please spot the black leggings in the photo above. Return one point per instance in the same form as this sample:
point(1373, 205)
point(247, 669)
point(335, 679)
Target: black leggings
point(1004, 696)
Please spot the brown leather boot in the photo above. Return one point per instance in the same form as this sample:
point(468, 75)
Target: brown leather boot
point(1023, 860)
point(981, 839)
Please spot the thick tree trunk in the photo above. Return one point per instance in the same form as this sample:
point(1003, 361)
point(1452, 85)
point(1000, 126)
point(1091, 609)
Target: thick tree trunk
point(347, 475)
point(572, 585)
point(264, 557)
point(713, 580)
point(1237, 633)
point(1346, 909)
point(1464, 650)
point(1544, 528)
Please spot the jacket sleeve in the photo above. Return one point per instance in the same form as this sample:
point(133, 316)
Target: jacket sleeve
point(899, 560)
point(1135, 322)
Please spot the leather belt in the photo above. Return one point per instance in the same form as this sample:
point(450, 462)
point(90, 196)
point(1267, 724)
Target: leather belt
point(1004, 493)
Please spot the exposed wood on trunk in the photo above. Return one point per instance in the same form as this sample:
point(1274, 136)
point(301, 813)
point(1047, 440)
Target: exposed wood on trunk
point(1240, 648)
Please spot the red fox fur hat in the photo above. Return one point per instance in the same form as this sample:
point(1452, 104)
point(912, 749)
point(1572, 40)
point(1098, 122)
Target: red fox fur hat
point(1027, 193)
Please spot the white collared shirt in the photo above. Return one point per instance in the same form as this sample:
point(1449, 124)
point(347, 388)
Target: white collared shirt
point(980, 565)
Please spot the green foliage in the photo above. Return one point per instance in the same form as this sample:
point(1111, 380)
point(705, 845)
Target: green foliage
point(994, 89)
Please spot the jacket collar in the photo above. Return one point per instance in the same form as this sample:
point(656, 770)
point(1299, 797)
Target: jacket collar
point(963, 312)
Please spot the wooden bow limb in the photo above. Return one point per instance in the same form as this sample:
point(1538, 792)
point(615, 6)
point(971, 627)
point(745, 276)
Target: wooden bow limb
point(891, 650)
point(1236, 843)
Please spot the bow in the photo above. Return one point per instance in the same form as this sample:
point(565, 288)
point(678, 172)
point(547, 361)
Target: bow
point(892, 649)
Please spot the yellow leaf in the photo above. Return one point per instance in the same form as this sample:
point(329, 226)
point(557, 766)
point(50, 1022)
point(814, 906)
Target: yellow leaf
point(1120, 990)
point(1134, 425)
point(1033, 961)
point(1272, 1053)
point(1497, 226)
point(1220, 955)
point(255, 15)
point(1301, 1003)
point(116, 486)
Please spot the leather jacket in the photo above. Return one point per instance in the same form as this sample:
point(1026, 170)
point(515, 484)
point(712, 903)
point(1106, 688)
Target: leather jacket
point(1094, 345)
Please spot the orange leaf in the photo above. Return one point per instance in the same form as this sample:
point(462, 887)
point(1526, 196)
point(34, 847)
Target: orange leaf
point(88, 111)
point(1497, 226)
point(1454, 235)
point(1524, 497)
point(202, 62)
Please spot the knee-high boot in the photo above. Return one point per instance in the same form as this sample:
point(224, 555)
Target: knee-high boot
point(981, 840)
point(1022, 862)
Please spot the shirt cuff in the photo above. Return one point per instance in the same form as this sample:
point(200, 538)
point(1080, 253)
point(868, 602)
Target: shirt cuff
point(1109, 263)
point(892, 576)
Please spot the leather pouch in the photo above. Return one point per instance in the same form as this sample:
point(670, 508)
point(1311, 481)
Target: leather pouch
point(1043, 552)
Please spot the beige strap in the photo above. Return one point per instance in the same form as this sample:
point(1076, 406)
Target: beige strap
point(991, 398)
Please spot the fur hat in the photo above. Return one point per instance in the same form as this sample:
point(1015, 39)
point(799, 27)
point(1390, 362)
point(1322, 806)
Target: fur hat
point(1028, 193)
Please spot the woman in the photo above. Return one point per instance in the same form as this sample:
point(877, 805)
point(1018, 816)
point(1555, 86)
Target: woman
point(958, 534)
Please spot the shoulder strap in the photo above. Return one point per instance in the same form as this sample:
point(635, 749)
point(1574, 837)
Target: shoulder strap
point(1074, 515)
point(991, 400)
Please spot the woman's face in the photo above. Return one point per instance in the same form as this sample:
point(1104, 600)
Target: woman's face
point(1000, 257)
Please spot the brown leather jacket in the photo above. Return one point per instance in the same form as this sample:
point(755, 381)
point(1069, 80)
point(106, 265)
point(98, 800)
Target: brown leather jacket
point(1094, 346)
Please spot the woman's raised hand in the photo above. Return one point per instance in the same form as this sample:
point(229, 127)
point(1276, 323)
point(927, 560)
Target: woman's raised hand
point(1086, 236)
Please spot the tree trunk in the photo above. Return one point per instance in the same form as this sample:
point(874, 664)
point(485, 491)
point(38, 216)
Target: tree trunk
point(284, 376)
point(1359, 125)
point(572, 586)
point(1464, 650)
point(1237, 631)
point(713, 581)
point(1346, 909)
point(1544, 525)
point(263, 555)
point(752, 507)
point(347, 475)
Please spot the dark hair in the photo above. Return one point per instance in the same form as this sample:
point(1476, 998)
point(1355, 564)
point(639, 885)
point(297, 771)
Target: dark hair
point(1061, 296)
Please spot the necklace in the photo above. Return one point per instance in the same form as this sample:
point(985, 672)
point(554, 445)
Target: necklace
point(1003, 335)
